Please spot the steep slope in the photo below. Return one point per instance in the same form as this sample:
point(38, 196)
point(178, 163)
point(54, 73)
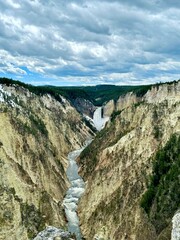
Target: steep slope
point(36, 134)
point(118, 164)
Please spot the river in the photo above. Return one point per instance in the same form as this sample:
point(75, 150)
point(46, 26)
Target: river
point(74, 192)
point(76, 189)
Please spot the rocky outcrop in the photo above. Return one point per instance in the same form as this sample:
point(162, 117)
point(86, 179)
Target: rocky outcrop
point(117, 164)
point(36, 134)
point(108, 108)
point(84, 106)
point(161, 93)
point(128, 100)
point(176, 226)
point(53, 233)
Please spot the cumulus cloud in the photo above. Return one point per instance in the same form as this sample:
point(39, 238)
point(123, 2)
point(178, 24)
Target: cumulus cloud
point(90, 42)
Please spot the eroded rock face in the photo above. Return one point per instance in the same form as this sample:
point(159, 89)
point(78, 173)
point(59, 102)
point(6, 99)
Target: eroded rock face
point(36, 134)
point(127, 100)
point(109, 108)
point(84, 106)
point(117, 166)
point(164, 92)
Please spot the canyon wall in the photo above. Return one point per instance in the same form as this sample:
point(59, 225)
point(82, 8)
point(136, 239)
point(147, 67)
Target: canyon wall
point(36, 134)
point(157, 94)
point(118, 164)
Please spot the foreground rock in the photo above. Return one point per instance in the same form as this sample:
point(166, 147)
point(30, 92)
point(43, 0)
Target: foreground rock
point(52, 233)
point(176, 227)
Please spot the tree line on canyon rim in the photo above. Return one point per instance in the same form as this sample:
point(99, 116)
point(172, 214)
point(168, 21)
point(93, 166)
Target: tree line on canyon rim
point(96, 94)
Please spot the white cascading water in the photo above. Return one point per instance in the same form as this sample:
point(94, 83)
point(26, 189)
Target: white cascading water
point(98, 119)
point(175, 235)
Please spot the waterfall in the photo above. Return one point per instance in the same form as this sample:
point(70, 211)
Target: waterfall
point(98, 119)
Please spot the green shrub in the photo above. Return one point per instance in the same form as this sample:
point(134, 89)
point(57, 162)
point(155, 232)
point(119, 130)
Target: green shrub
point(39, 124)
point(115, 114)
point(138, 104)
point(147, 198)
point(157, 132)
point(32, 219)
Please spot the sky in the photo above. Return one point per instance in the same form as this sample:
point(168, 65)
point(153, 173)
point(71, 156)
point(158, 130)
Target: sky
point(79, 42)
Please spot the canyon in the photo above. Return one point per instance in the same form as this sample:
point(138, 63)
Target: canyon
point(43, 136)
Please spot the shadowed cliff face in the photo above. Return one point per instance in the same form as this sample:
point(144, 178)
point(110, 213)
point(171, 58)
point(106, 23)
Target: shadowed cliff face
point(36, 134)
point(118, 163)
point(84, 106)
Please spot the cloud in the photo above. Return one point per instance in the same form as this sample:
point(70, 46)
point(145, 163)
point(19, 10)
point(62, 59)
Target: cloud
point(89, 42)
